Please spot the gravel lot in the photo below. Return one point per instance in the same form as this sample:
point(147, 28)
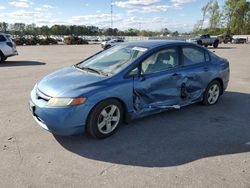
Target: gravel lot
point(196, 146)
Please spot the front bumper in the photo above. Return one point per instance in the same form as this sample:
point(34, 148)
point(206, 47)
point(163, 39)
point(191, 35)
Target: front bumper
point(14, 53)
point(63, 121)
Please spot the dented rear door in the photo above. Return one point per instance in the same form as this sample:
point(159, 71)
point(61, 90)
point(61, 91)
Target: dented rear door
point(196, 72)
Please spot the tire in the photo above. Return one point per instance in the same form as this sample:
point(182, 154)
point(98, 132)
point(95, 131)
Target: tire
point(2, 57)
point(199, 42)
point(107, 47)
point(101, 122)
point(216, 44)
point(206, 45)
point(215, 89)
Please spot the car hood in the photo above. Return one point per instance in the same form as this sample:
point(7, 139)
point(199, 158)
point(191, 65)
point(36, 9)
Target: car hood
point(68, 82)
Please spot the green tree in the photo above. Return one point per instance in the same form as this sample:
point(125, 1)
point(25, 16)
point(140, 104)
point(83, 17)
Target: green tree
point(214, 14)
point(3, 26)
point(237, 16)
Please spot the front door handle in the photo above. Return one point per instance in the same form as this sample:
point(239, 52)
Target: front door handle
point(175, 74)
point(205, 69)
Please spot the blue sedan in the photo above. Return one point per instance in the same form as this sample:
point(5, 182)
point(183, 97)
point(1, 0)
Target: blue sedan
point(125, 82)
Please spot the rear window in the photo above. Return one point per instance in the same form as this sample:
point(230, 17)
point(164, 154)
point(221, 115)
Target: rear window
point(2, 38)
point(193, 55)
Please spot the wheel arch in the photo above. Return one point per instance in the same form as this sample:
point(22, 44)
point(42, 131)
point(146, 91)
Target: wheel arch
point(126, 117)
point(217, 41)
point(221, 84)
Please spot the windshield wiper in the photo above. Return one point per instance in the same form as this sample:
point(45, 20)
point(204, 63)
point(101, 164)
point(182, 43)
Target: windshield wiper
point(91, 70)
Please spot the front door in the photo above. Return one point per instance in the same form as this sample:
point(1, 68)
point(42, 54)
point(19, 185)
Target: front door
point(159, 85)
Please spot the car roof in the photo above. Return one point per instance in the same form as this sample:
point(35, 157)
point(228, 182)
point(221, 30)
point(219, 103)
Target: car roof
point(153, 43)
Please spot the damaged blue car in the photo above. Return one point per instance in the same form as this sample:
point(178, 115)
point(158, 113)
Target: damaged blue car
point(125, 82)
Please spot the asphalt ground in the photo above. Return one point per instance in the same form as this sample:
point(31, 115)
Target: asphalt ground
point(196, 146)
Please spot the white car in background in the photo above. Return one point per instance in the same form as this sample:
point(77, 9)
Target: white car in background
point(7, 47)
point(110, 43)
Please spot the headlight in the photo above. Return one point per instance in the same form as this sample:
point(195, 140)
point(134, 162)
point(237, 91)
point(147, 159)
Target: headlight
point(60, 102)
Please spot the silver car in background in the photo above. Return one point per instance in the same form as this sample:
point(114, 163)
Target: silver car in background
point(107, 44)
point(7, 47)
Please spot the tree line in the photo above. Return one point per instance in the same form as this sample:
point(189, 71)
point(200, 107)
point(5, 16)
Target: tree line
point(22, 29)
point(232, 18)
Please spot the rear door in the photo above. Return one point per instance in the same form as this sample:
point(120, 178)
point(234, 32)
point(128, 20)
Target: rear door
point(159, 84)
point(196, 72)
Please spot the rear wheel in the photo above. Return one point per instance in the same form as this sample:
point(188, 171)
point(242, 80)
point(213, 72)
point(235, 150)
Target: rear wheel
point(2, 57)
point(107, 47)
point(212, 93)
point(216, 44)
point(199, 42)
point(105, 119)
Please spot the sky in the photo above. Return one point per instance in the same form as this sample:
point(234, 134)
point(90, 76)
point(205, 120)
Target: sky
point(180, 15)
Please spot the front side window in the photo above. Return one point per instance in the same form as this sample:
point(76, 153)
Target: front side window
point(113, 60)
point(192, 55)
point(161, 61)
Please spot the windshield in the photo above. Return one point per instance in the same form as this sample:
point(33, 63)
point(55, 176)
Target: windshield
point(113, 60)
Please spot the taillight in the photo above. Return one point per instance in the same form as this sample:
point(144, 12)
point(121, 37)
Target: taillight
point(10, 44)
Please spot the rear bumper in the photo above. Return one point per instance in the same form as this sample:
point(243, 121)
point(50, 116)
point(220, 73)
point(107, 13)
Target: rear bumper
point(63, 121)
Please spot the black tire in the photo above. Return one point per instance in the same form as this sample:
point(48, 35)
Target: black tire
point(95, 115)
point(216, 44)
point(206, 45)
point(199, 42)
point(2, 57)
point(107, 47)
point(207, 95)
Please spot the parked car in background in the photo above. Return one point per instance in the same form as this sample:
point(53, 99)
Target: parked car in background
point(205, 40)
point(107, 44)
point(239, 41)
point(70, 40)
point(225, 38)
point(127, 81)
point(7, 47)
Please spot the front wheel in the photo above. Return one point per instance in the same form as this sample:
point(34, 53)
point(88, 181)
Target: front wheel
point(105, 119)
point(2, 58)
point(212, 93)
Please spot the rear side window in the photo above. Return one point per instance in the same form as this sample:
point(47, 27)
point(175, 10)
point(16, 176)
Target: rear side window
point(192, 55)
point(2, 38)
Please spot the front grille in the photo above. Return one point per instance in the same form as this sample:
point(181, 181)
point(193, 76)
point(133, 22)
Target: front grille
point(41, 95)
